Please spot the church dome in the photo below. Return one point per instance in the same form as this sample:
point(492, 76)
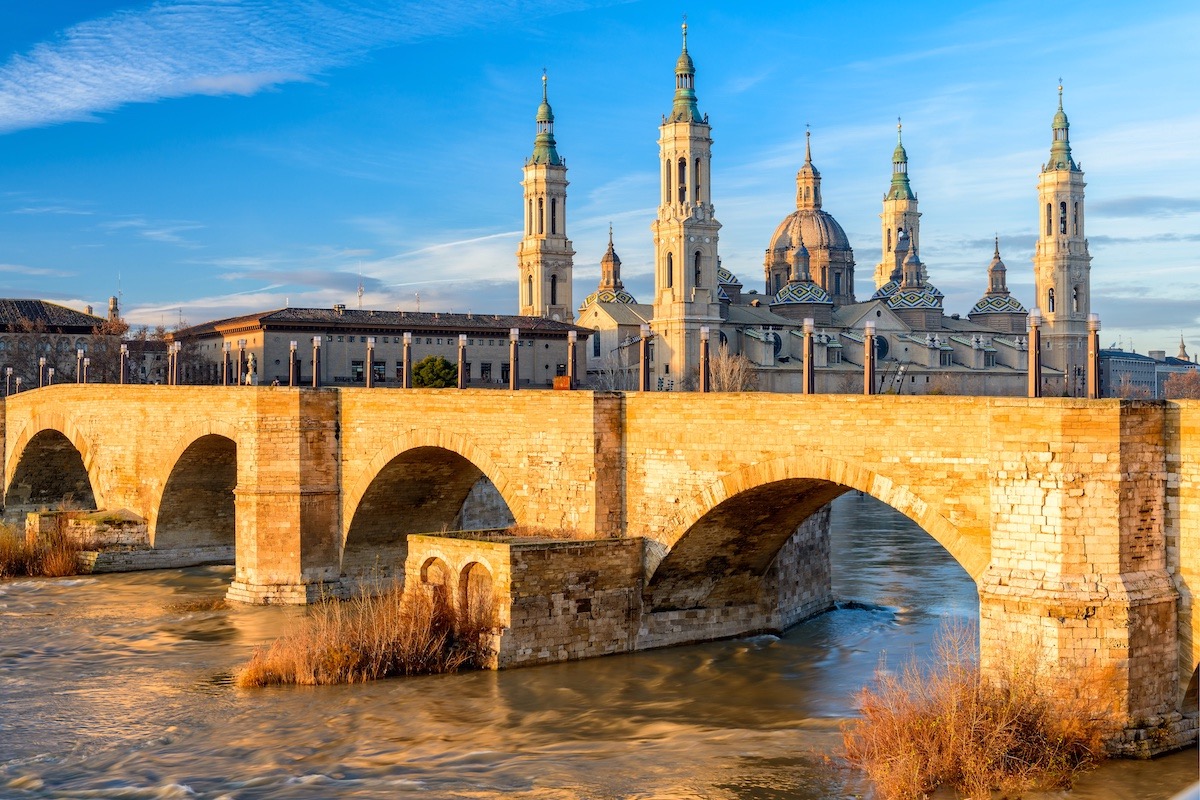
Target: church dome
point(608, 296)
point(813, 226)
point(801, 292)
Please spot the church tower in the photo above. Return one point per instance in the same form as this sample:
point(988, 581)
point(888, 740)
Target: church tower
point(1061, 263)
point(544, 256)
point(899, 213)
point(685, 233)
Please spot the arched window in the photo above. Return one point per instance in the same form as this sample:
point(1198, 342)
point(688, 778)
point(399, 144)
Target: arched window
point(553, 289)
point(1062, 217)
point(1050, 301)
point(529, 218)
point(670, 269)
point(696, 183)
point(1075, 221)
point(1049, 220)
point(1075, 299)
point(777, 283)
point(696, 269)
point(541, 216)
point(682, 180)
point(837, 283)
point(529, 290)
point(667, 181)
point(553, 215)
point(889, 239)
point(596, 344)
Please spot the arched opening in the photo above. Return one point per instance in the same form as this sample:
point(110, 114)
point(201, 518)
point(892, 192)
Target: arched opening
point(1049, 220)
point(682, 172)
point(50, 474)
point(528, 290)
point(435, 579)
point(553, 290)
point(529, 218)
point(541, 217)
point(553, 215)
point(696, 269)
point(889, 240)
point(1075, 220)
point(1192, 695)
point(477, 596)
point(696, 183)
point(670, 270)
point(1062, 217)
point(422, 490)
point(768, 557)
point(197, 504)
point(1050, 301)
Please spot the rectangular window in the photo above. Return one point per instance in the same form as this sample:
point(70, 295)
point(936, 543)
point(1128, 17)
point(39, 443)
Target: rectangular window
point(339, 338)
point(356, 371)
point(505, 371)
point(399, 371)
point(428, 340)
point(379, 368)
point(947, 359)
point(485, 372)
point(596, 344)
point(989, 359)
point(560, 370)
point(467, 370)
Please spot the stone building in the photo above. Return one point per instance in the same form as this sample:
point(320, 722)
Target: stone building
point(809, 274)
point(257, 348)
point(37, 336)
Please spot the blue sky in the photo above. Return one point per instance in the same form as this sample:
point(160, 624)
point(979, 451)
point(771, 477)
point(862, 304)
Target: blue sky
point(221, 156)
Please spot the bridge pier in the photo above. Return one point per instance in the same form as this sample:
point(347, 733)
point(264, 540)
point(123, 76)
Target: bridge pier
point(288, 499)
point(1078, 575)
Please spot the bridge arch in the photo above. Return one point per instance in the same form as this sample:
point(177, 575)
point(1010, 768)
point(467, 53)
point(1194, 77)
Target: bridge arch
point(193, 502)
point(729, 533)
point(50, 464)
point(417, 484)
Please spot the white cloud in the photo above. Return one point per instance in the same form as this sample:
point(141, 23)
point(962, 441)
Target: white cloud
point(184, 47)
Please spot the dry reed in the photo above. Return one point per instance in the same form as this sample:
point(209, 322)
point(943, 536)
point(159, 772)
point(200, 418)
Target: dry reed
point(949, 726)
point(374, 636)
point(51, 557)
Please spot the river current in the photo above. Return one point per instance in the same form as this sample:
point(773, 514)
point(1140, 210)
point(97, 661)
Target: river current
point(107, 691)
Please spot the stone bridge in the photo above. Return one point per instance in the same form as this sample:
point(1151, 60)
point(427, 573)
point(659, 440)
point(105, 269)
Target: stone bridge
point(648, 519)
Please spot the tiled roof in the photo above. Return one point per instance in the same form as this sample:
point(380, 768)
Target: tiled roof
point(54, 317)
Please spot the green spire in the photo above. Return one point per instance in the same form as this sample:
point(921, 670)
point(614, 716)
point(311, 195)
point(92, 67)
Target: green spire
point(1060, 150)
point(684, 108)
point(544, 150)
point(900, 188)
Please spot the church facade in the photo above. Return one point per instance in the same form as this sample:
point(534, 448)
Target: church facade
point(809, 273)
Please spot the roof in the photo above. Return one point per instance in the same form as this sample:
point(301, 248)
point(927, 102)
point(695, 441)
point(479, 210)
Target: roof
point(623, 313)
point(320, 319)
point(51, 315)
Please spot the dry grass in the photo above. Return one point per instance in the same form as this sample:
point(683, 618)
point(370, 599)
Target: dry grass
point(370, 637)
point(950, 727)
point(53, 558)
point(198, 604)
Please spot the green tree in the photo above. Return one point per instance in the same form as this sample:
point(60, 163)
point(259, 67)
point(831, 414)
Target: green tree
point(434, 372)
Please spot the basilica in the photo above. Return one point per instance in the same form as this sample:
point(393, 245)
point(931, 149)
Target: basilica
point(808, 279)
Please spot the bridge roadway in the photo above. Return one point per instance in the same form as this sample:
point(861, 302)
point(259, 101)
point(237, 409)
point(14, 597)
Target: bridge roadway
point(687, 516)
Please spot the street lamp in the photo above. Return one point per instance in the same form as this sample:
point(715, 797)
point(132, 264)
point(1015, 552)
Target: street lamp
point(241, 360)
point(705, 372)
point(809, 376)
point(407, 381)
point(225, 350)
point(1035, 352)
point(292, 362)
point(462, 361)
point(87, 362)
point(644, 350)
point(370, 376)
point(869, 358)
point(514, 341)
point(178, 347)
point(316, 361)
point(79, 365)
point(1093, 376)
point(124, 355)
point(50, 376)
point(572, 345)
point(7, 381)
point(18, 384)
point(42, 371)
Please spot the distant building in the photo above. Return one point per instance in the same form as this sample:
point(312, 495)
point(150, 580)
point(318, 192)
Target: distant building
point(37, 336)
point(261, 344)
point(1127, 374)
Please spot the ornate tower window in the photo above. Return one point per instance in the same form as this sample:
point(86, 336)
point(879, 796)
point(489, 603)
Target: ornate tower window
point(670, 269)
point(553, 290)
point(553, 215)
point(1062, 217)
point(1075, 221)
point(682, 180)
point(696, 269)
point(1050, 301)
point(1075, 299)
point(1049, 220)
point(696, 184)
point(541, 216)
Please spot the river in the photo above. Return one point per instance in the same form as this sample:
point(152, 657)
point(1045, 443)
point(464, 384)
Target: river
point(107, 692)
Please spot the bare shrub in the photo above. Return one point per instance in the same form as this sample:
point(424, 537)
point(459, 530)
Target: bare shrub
point(950, 726)
point(1183, 385)
point(51, 557)
point(369, 637)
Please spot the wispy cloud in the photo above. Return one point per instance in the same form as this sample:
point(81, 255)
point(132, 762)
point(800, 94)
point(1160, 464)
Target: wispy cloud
point(51, 210)
point(1146, 206)
point(175, 48)
point(39, 272)
point(164, 232)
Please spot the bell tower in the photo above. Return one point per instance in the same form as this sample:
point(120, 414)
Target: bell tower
point(899, 214)
point(544, 256)
point(685, 233)
point(1061, 263)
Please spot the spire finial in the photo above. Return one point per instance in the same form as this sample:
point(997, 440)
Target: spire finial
point(544, 85)
point(807, 144)
point(1060, 88)
point(997, 245)
point(898, 129)
point(610, 242)
point(685, 33)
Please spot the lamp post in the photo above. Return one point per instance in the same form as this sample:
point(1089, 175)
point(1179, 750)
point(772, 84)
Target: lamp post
point(869, 358)
point(406, 381)
point(644, 354)
point(50, 376)
point(462, 361)
point(1035, 352)
point(292, 362)
point(514, 337)
point(705, 369)
point(178, 347)
point(7, 381)
point(79, 365)
point(370, 362)
point(809, 382)
point(316, 381)
point(241, 361)
point(1093, 368)
point(572, 345)
point(225, 348)
point(124, 357)
point(42, 371)
point(87, 362)
point(18, 384)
